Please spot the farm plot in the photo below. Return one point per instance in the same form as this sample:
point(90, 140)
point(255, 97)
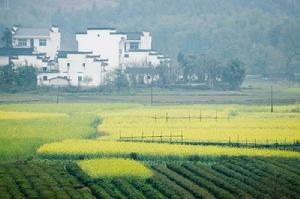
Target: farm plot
point(241, 177)
point(39, 180)
point(20, 138)
point(204, 123)
point(112, 167)
point(95, 148)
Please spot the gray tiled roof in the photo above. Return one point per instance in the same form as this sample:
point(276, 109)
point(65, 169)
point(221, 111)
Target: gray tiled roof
point(27, 32)
point(134, 35)
point(63, 54)
point(15, 51)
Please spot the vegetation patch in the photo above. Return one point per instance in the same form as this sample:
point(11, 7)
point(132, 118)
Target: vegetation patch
point(97, 148)
point(113, 167)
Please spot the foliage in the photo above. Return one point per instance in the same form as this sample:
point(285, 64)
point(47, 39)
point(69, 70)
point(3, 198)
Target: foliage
point(120, 79)
point(17, 78)
point(234, 73)
point(7, 38)
point(206, 123)
point(113, 167)
point(39, 180)
point(96, 148)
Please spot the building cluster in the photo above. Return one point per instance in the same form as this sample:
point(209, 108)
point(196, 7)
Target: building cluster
point(100, 51)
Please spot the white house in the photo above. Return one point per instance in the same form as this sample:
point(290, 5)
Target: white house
point(78, 68)
point(122, 49)
point(106, 42)
point(42, 40)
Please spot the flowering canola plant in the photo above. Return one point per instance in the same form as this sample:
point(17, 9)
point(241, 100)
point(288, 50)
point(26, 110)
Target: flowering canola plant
point(28, 115)
point(112, 167)
point(206, 123)
point(114, 148)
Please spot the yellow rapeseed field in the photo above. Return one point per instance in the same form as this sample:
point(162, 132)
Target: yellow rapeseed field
point(206, 123)
point(111, 167)
point(28, 115)
point(113, 148)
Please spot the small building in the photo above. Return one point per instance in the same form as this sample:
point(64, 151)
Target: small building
point(82, 68)
point(41, 40)
point(106, 42)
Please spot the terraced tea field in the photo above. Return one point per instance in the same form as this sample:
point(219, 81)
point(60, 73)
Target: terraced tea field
point(229, 178)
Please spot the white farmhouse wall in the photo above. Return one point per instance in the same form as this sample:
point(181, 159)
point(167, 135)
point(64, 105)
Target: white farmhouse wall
point(4, 60)
point(105, 42)
point(79, 66)
point(29, 60)
point(146, 41)
point(136, 59)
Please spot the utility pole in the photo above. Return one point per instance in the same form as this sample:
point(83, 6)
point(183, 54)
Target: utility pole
point(149, 78)
point(151, 93)
point(57, 96)
point(272, 109)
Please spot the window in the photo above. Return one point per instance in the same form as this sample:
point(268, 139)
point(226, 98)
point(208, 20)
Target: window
point(83, 64)
point(44, 69)
point(126, 55)
point(65, 77)
point(22, 42)
point(43, 42)
point(68, 64)
point(134, 45)
point(79, 78)
point(45, 78)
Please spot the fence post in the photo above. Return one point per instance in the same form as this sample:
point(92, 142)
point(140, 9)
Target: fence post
point(200, 116)
point(120, 135)
point(161, 137)
point(181, 137)
point(167, 117)
point(152, 136)
point(155, 118)
point(189, 116)
point(228, 117)
point(216, 116)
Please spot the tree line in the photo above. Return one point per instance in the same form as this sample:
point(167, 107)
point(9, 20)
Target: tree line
point(13, 79)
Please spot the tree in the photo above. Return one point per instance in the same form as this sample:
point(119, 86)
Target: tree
point(234, 73)
point(211, 71)
point(7, 38)
point(120, 80)
point(7, 77)
point(26, 77)
point(163, 72)
point(21, 78)
point(87, 80)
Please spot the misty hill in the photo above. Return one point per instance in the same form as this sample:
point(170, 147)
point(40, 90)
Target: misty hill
point(264, 34)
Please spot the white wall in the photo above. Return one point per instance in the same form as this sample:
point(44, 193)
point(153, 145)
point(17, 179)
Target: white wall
point(29, 60)
point(4, 60)
point(106, 43)
point(76, 69)
point(136, 59)
point(146, 41)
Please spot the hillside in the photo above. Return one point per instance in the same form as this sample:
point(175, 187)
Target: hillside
point(264, 34)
